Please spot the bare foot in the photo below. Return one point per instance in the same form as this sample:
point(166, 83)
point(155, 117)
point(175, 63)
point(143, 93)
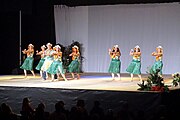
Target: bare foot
point(78, 76)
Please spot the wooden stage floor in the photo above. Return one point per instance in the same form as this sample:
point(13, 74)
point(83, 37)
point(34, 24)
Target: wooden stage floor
point(88, 81)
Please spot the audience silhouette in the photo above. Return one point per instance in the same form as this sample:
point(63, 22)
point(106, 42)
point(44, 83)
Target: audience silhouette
point(77, 112)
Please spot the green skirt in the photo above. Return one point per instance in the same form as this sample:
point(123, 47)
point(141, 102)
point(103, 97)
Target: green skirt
point(27, 64)
point(38, 67)
point(158, 65)
point(56, 67)
point(134, 67)
point(115, 66)
point(74, 66)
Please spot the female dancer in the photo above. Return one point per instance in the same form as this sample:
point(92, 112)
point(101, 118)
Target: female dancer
point(115, 64)
point(28, 62)
point(135, 65)
point(48, 60)
point(42, 54)
point(158, 64)
point(57, 66)
point(74, 66)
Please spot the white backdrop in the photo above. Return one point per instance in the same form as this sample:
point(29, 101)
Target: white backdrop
point(98, 28)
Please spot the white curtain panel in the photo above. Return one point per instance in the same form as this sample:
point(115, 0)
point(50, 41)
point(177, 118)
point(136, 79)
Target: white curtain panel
point(98, 28)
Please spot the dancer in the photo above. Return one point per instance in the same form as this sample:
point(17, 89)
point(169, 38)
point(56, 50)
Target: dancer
point(48, 60)
point(158, 64)
point(28, 62)
point(74, 66)
point(115, 64)
point(135, 65)
point(57, 66)
point(42, 54)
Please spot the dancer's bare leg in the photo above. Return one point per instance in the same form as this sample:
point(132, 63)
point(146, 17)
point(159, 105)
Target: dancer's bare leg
point(47, 75)
point(72, 75)
point(140, 78)
point(131, 77)
point(33, 73)
point(41, 73)
point(58, 76)
point(112, 74)
point(119, 76)
point(78, 76)
point(25, 73)
point(63, 75)
point(52, 77)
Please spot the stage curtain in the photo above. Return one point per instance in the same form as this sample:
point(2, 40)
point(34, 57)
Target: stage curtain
point(98, 28)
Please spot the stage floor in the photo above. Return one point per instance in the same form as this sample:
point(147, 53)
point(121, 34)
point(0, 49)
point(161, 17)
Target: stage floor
point(90, 87)
point(88, 81)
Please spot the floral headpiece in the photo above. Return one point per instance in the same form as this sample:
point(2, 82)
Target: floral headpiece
point(75, 47)
point(160, 47)
point(31, 45)
point(43, 46)
point(48, 44)
point(57, 46)
point(115, 46)
point(137, 46)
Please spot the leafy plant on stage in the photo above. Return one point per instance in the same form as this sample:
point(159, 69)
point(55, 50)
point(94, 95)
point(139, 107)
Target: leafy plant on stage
point(176, 79)
point(67, 50)
point(145, 87)
point(154, 82)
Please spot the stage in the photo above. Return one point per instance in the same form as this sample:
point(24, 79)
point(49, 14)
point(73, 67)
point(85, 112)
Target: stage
point(88, 81)
point(90, 87)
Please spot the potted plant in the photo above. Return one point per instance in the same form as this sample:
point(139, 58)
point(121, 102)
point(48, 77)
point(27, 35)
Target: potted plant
point(176, 79)
point(155, 82)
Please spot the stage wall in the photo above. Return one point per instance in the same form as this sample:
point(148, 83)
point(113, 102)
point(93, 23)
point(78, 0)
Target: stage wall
point(98, 28)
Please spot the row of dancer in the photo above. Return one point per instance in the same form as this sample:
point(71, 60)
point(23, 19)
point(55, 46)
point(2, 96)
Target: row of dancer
point(51, 61)
point(135, 65)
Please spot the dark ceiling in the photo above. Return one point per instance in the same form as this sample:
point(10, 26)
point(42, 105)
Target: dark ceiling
point(28, 6)
point(106, 2)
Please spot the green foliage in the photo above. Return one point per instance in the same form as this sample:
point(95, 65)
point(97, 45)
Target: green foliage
point(156, 78)
point(67, 50)
point(154, 83)
point(176, 79)
point(145, 87)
